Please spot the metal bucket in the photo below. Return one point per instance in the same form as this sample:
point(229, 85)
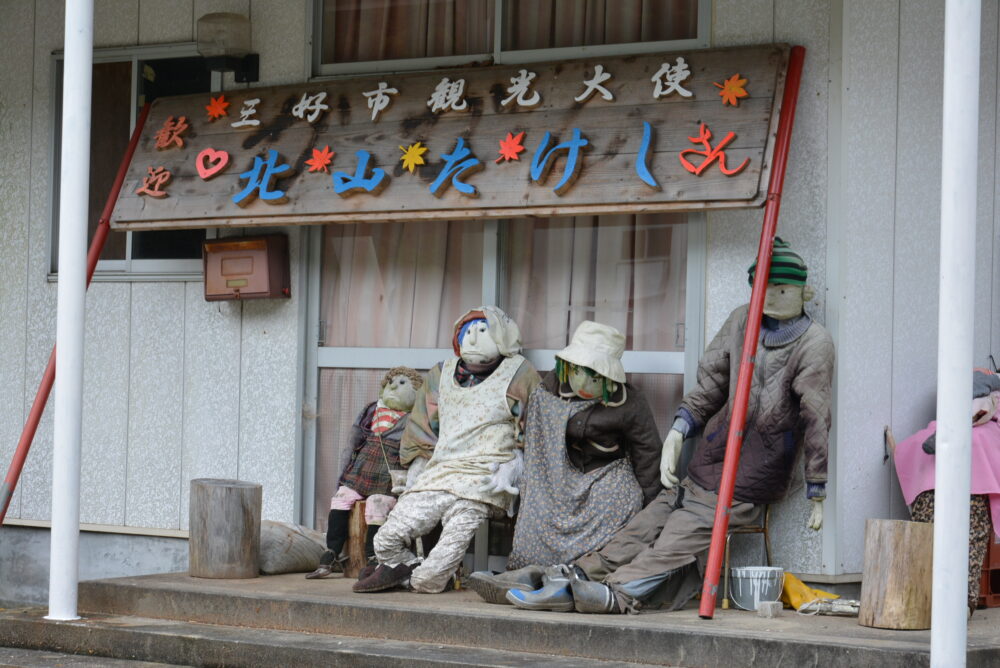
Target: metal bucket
point(749, 586)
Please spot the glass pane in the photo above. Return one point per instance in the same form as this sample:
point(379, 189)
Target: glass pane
point(540, 24)
point(664, 392)
point(343, 393)
point(162, 78)
point(399, 285)
point(621, 270)
point(109, 135)
point(363, 30)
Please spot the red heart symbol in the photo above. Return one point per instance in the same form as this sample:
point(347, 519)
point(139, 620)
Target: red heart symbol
point(210, 162)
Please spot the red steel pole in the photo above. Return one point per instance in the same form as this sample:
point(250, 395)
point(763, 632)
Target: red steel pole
point(49, 377)
point(734, 440)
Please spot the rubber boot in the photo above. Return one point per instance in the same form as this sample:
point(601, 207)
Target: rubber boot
point(336, 536)
point(555, 593)
point(493, 587)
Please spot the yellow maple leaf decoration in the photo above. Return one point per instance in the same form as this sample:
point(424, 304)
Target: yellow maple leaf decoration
point(412, 156)
point(732, 90)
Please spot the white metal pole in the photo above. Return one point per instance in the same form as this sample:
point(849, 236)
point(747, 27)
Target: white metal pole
point(73, 207)
point(959, 170)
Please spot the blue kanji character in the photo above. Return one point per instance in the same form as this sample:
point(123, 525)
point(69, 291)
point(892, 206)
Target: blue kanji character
point(346, 185)
point(544, 159)
point(458, 163)
point(260, 177)
point(642, 157)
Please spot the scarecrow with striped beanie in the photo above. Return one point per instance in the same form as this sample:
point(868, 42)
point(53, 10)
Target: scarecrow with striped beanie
point(789, 410)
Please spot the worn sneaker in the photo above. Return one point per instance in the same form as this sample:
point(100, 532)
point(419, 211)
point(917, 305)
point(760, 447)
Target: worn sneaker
point(384, 578)
point(493, 587)
point(555, 593)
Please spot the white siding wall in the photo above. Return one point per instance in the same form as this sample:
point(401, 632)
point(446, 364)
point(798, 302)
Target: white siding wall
point(178, 388)
point(175, 388)
point(733, 235)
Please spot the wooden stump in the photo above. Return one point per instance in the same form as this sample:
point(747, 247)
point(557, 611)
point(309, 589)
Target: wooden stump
point(896, 584)
point(355, 548)
point(224, 536)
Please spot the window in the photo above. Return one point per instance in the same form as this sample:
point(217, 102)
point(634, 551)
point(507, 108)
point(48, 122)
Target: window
point(123, 81)
point(391, 292)
point(357, 36)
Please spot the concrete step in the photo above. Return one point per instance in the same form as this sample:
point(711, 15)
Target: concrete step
point(30, 658)
point(732, 639)
point(131, 641)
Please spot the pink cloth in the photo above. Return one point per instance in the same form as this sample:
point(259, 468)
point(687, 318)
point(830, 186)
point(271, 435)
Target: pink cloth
point(915, 467)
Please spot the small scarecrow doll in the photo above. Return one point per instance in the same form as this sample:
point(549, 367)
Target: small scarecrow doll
point(374, 453)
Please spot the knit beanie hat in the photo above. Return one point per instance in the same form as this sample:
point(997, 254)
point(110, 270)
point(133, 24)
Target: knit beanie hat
point(787, 267)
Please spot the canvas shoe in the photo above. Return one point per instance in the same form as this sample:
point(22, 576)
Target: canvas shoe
point(383, 578)
point(493, 587)
point(554, 595)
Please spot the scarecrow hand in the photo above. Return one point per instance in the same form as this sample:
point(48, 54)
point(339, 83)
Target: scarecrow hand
point(416, 468)
point(816, 516)
point(669, 457)
point(507, 476)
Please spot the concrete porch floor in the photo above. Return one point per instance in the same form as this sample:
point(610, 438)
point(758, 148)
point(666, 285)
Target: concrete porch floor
point(290, 604)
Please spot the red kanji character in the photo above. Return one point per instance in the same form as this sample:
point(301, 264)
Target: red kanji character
point(170, 133)
point(711, 154)
point(153, 184)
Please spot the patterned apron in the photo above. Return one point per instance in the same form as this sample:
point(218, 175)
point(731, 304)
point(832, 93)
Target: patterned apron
point(566, 513)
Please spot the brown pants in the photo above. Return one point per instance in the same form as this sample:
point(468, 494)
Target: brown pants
point(980, 527)
point(659, 540)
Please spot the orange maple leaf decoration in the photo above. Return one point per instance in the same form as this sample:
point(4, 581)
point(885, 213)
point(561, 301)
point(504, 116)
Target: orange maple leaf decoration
point(510, 147)
point(732, 90)
point(217, 108)
point(320, 160)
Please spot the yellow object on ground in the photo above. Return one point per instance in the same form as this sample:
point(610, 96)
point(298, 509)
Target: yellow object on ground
point(795, 593)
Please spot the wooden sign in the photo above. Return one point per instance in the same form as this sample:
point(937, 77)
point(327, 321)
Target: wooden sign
point(666, 132)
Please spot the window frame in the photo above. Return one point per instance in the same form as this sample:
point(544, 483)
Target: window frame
point(127, 269)
point(497, 56)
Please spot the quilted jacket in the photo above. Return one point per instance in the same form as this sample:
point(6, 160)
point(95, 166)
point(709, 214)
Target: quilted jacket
point(789, 407)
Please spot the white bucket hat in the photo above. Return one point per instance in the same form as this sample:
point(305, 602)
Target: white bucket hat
point(598, 347)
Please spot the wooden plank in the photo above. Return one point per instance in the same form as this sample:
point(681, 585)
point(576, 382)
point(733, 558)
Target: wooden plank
point(608, 175)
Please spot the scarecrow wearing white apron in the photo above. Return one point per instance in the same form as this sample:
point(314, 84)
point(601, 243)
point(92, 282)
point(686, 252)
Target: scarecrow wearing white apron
point(465, 428)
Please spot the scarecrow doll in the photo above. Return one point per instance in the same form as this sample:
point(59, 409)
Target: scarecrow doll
point(915, 459)
point(466, 425)
point(374, 453)
point(591, 460)
point(789, 409)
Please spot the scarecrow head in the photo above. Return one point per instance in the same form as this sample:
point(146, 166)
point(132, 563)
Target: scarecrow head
point(485, 334)
point(787, 292)
point(399, 388)
point(592, 362)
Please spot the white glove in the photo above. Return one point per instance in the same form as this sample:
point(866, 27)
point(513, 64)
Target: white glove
point(416, 468)
point(815, 521)
point(669, 457)
point(506, 477)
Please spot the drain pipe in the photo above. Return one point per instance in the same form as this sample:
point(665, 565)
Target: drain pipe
point(959, 171)
point(74, 183)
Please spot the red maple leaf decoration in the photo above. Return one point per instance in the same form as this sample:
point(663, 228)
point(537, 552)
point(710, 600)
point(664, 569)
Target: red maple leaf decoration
point(510, 147)
point(217, 108)
point(321, 159)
